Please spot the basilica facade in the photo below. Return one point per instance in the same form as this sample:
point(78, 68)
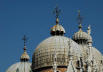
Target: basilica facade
point(59, 53)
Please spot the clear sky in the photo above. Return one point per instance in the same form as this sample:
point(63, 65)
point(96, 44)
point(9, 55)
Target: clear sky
point(35, 18)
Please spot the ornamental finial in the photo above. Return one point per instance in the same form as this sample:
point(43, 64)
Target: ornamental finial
point(57, 13)
point(79, 20)
point(89, 30)
point(24, 57)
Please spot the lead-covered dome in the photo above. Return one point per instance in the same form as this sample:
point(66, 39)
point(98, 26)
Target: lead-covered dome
point(44, 53)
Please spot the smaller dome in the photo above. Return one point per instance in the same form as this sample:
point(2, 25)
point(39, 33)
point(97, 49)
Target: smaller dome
point(81, 35)
point(24, 65)
point(20, 67)
point(57, 29)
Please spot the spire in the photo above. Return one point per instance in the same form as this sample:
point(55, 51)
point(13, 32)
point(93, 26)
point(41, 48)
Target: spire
point(24, 57)
point(79, 20)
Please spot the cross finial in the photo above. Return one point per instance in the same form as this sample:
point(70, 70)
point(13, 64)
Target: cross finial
point(25, 39)
point(57, 11)
point(79, 19)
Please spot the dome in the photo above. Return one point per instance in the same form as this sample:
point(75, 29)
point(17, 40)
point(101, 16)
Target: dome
point(44, 53)
point(24, 65)
point(20, 67)
point(57, 29)
point(81, 35)
point(97, 55)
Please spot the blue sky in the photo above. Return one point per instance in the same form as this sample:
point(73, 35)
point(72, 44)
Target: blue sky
point(34, 18)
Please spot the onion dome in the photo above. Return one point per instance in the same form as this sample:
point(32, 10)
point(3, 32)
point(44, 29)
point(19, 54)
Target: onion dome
point(81, 36)
point(57, 29)
point(24, 65)
point(44, 53)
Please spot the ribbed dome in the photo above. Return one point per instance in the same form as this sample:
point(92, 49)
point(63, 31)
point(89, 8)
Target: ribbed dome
point(23, 66)
point(20, 67)
point(44, 53)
